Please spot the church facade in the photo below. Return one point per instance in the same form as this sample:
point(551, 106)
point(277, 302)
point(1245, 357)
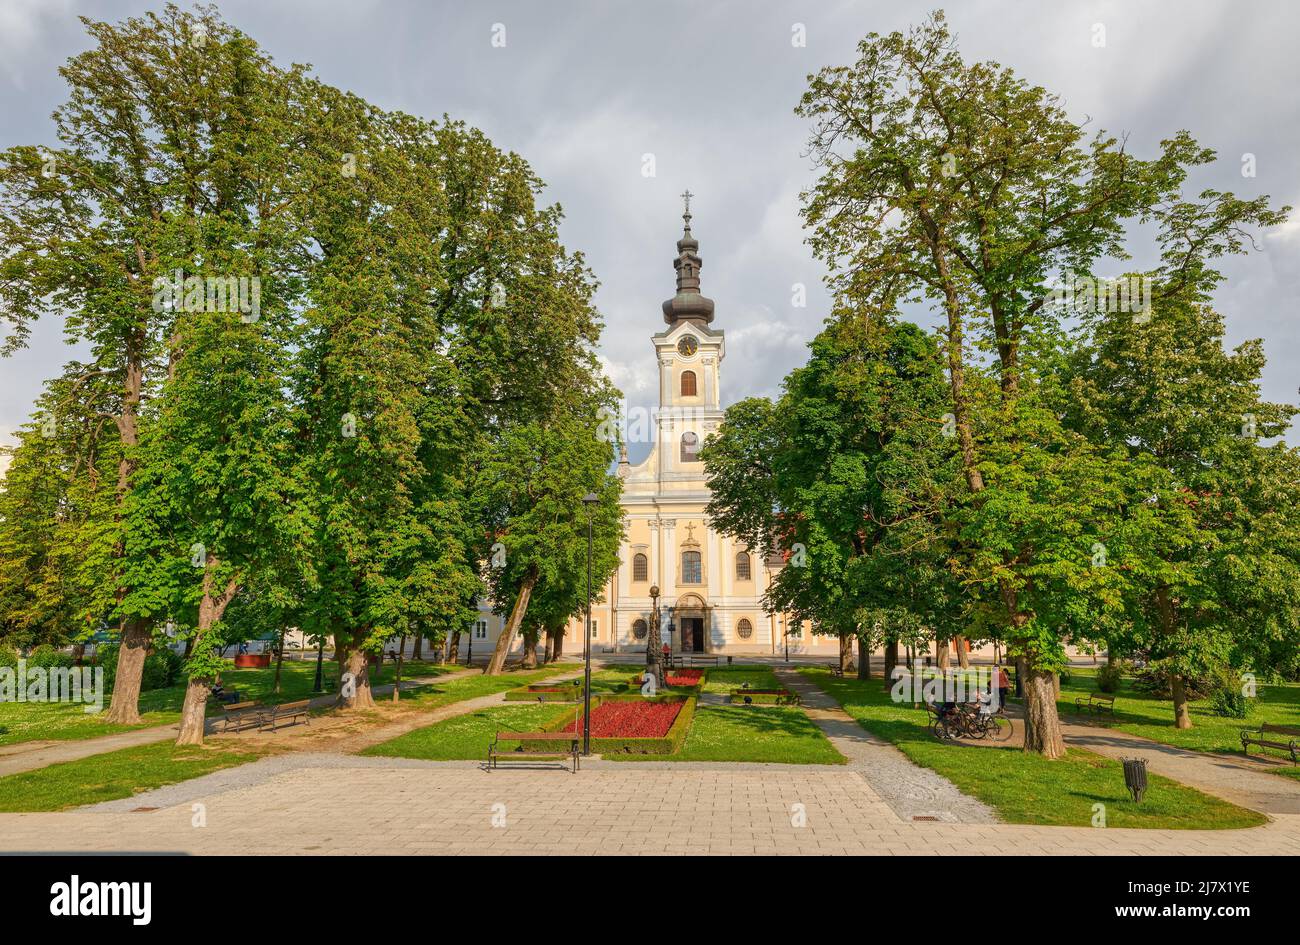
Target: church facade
point(710, 586)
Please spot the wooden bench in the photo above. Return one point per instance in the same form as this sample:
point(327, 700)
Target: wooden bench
point(692, 660)
point(1281, 737)
point(1096, 703)
point(497, 754)
point(238, 716)
point(273, 715)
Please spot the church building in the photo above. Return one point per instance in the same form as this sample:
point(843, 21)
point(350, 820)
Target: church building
point(710, 586)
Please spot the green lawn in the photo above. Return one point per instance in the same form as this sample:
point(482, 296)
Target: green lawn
point(771, 734)
point(1028, 789)
point(114, 775)
point(466, 737)
point(435, 694)
point(1141, 714)
point(726, 678)
point(31, 721)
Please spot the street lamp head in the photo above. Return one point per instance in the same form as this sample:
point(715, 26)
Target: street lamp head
point(654, 591)
point(590, 499)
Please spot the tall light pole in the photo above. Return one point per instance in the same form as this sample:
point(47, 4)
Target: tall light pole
point(589, 500)
point(320, 663)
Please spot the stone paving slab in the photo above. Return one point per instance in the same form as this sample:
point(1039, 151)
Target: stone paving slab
point(389, 806)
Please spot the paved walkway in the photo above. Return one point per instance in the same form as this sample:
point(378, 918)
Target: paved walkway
point(28, 756)
point(912, 791)
point(1243, 782)
point(336, 804)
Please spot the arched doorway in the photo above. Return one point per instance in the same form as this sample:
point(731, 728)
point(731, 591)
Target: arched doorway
point(692, 615)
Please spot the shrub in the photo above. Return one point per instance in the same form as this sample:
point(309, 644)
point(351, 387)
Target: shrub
point(1154, 680)
point(1109, 676)
point(8, 656)
point(48, 657)
point(1227, 697)
point(162, 667)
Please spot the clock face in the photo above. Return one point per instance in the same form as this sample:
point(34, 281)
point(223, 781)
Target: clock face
point(687, 346)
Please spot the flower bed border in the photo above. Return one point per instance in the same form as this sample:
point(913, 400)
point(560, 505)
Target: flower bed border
point(764, 697)
point(634, 683)
point(546, 692)
point(664, 745)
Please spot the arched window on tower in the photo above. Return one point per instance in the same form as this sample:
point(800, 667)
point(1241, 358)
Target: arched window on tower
point(690, 447)
point(692, 570)
point(742, 566)
point(640, 567)
point(688, 383)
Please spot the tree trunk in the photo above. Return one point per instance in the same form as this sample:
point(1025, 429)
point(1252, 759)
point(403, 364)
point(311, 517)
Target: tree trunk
point(1042, 725)
point(352, 660)
point(941, 654)
point(846, 651)
point(530, 648)
point(79, 653)
point(125, 707)
point(864, 658)
point(417, 648)
point(891, 661)
point(507, 638)
point(211, 608)
point(550, 645)
point(963, 651)
point(194, 712)
point(1182, 710)
point(453, 648)
point(559, 642)
point(401, 655)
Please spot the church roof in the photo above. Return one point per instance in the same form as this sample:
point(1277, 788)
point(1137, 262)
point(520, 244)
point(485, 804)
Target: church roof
point(688, 304)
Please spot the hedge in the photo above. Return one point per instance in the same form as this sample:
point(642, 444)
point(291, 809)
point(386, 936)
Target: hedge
point(764, 697)
point(547, 692)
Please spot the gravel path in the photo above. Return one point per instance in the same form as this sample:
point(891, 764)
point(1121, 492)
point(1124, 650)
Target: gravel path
point(912, 791)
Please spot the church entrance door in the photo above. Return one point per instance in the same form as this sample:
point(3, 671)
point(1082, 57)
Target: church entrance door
point(693, 634)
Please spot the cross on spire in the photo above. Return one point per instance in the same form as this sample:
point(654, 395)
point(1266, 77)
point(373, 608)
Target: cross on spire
point(686, 204)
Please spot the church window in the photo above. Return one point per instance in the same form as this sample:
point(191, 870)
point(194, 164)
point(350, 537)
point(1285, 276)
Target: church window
point(639, 629)
point(744, 629)
point(688, 383)
point(690, 447)
point(692, 571)
point(640, 567)
point(742, 566)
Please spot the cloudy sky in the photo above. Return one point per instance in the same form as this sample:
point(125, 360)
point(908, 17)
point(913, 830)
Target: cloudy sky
point(585, 90)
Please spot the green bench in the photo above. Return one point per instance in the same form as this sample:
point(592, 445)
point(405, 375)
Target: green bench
point(497, 753)
point(1096, 703)
point(1268, 735)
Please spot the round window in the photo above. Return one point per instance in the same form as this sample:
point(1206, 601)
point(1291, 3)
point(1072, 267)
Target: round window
point(639, 629)
point(744, 629)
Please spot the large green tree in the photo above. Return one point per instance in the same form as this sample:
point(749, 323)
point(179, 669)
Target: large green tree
point(849, 475)
point(961, 185)
point(157, 144)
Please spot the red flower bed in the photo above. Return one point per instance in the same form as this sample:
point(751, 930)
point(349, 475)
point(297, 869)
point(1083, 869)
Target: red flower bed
point(679, 677)
point(631, 719)
point(684, 677)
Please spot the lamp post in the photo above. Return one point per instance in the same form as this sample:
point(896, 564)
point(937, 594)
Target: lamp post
point(654, 655)
point(320, 664)
point(589, 500)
